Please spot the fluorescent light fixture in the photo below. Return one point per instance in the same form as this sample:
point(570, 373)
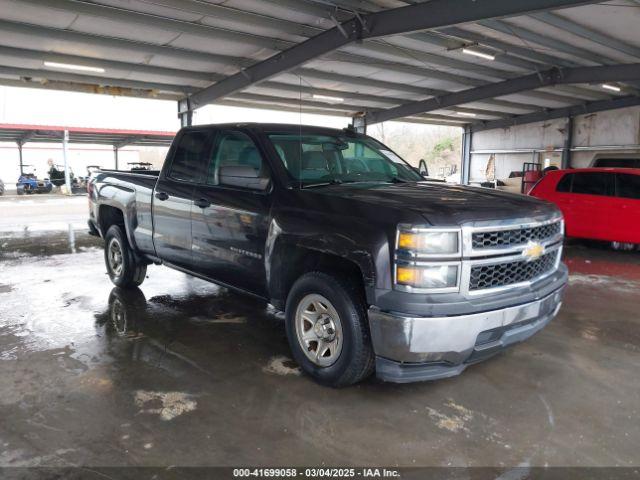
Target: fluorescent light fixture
point(70, 66)
point(476, 53)
point(613, 88)
point(328, 98)
point(466, 114)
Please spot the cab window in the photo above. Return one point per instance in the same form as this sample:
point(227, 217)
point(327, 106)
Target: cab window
point(231, 149)
point(189, 157)
point(628, 186)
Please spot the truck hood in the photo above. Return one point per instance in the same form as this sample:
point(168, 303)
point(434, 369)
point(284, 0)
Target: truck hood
point(444, 204)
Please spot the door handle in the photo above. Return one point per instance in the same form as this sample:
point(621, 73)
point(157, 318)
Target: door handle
point(162, 195)
point(202, 203)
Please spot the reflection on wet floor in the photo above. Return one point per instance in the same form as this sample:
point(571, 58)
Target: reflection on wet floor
point(181, 372)
point(25, 243)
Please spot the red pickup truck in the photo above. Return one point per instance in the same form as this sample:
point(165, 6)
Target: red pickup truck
point(597, 203)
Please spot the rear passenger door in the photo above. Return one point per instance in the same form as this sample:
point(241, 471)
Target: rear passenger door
point(625, 214)
point(590, 204)
point(173, 197)
point(230, 223)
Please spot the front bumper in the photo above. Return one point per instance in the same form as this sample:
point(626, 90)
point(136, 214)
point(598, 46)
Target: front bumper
point(410, 349)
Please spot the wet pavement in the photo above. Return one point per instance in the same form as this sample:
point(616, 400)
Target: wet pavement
point(183, 373)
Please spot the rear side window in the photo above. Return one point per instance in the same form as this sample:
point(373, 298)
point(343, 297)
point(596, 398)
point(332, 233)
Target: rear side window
point(189, 156)
point(233, 149)
point(564, 185)
point(628, 186)
point(591, 183)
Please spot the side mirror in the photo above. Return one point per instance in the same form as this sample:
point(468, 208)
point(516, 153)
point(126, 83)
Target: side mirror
point(242, 176)
point(422, 168)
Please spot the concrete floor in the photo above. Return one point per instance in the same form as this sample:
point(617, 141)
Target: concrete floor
point(183, 373)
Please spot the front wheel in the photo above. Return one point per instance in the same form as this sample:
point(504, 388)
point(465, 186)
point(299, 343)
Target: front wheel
point(123, 267)
point(327, 329)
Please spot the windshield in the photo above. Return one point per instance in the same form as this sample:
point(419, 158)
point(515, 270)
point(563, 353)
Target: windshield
point(329, 159)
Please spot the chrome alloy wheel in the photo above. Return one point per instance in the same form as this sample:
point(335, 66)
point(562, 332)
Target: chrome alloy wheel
point(319, 330)
point(114, 256)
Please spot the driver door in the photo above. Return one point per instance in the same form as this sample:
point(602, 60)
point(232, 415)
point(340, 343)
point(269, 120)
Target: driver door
point(230, 223)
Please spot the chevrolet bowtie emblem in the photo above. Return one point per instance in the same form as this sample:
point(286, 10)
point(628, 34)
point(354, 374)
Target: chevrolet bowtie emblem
point(533, 251)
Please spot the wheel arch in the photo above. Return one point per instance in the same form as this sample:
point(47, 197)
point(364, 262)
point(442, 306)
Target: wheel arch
point(109, 215)
point(288, 260)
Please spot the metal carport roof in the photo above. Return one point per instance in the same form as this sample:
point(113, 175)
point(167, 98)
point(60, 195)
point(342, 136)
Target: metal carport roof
point(379, 59)
point(21, 134)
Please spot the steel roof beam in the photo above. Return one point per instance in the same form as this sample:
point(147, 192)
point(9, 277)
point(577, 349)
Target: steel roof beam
point(587, 33)
point(400, 87)
point(530, 54)
point(625, 72)
point(62, 35)
point(132, 17)
point(23, 53)
point(258, 100)
point(547, 41)
point(127, 141)
point(98, 81)
point(362, 99)
point(124, 83)
point(88, 88)
point(146, 49)
point(421, 16)
point(587, 108)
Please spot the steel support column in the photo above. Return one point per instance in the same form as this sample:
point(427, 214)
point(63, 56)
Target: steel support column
point(185, 113)
point(465, 164)
point(115, 155)
point(568, 144)
point(20, 155)
point(67, 177)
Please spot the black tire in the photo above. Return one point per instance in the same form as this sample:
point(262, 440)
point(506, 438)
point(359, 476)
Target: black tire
point(356, 359)
point(130, 271)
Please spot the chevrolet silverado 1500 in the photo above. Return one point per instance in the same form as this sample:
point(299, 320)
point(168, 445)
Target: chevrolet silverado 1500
point(376, 268)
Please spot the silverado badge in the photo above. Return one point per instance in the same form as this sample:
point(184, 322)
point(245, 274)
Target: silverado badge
point(533, 251)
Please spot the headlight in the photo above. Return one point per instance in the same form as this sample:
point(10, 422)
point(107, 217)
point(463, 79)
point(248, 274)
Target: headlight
point(432, 243)
point(427, 277)
point(427, 260)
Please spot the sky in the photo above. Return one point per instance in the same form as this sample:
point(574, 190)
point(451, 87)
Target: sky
point(52, 107)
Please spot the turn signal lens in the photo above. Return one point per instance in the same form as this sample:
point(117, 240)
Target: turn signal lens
point(437, 276)
point(432, 243)
point(406, 276)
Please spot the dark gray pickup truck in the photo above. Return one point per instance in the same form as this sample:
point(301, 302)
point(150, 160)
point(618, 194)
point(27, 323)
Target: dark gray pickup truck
point(376, 268)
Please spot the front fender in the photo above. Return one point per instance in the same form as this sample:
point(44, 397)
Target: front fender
point(350, 240)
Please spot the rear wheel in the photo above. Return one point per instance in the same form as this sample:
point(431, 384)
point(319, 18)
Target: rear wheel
point(123, 267)
point(327, 329)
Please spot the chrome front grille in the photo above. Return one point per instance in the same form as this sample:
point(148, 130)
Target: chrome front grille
point(493, 256)
point(519, 236)
point(509, 273)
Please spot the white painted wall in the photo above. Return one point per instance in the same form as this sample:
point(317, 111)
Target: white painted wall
point(619, 127)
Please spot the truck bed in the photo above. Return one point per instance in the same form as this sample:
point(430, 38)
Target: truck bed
point(132, 193)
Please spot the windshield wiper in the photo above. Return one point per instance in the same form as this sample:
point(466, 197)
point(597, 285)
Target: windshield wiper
point(335, 181)
point(398, 180)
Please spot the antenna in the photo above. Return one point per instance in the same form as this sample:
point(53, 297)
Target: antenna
point(300, 133)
